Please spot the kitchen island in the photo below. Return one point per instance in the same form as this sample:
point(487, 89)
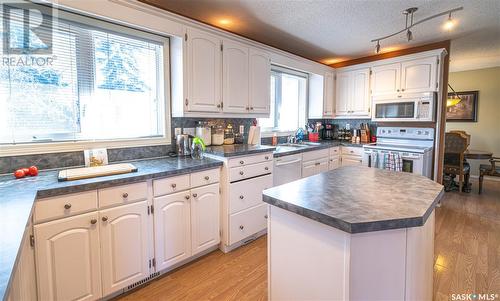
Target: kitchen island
point(354, 233)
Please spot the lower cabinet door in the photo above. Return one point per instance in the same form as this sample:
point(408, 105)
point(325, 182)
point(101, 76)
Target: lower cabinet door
point(322, 165)
point(204, 217)
point(333, 163)
point(67, 258)
point(124, 246)
point(309, 169)
point(348, 160)
point(172, 222)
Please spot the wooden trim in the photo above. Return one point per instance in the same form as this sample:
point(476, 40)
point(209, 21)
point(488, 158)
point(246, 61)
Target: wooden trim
point(444, 97)
point(381, 56)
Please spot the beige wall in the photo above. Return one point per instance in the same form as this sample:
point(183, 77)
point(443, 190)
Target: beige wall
point(485, 133)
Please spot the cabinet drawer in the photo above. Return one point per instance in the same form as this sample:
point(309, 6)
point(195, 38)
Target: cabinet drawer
point(65, 205)
point(247, 222)
point(352, 150)
point(249, 171)
point(170, 185)
point(246, 194)
point(205, 177)
point(265, 157)
point(315, 155)
point(334, 151)
point(122, 194)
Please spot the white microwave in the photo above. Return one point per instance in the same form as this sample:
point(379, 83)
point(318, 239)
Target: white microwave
point(408, 107)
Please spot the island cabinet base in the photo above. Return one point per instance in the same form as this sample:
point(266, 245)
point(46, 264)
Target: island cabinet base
point(309, 260)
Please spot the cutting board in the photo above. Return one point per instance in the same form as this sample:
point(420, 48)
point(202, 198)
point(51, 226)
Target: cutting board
point(96, 171)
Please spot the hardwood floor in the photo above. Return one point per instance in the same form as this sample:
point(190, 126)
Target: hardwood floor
point(467, 258)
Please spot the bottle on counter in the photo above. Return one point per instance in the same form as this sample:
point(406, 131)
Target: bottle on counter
point(229, 135)
point(204, 131)
point(238, 137)
point(275, 139)
point(218, 135)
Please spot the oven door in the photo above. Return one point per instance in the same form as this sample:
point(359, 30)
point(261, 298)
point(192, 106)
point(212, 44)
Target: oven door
point(412, 162)
point(395, 110)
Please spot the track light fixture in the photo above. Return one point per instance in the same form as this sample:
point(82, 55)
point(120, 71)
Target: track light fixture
point(449, 24)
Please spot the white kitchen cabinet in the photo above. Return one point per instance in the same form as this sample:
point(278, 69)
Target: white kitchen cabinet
point(204, 217)
point(260, 81)
point(172, 222)
point(204, 62)
point(329, 95)
point(308, 169)
point(351, 160)
point(334, 160)
point(353, 94)
point(124, 245)
point(67, 258)
point(385, 79)
point(235, 77)
point(407, 76)
point(419, 75)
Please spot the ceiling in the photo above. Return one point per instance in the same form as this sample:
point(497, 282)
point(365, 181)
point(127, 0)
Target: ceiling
point(330, 31)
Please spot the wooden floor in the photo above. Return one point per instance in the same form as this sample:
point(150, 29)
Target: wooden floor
point(467, 252)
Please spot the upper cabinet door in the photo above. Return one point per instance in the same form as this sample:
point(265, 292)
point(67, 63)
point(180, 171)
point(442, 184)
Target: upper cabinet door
point(172, 229)
point(205, 217)
point(386, 79)
point(67, 258)
point(260, 82)
point(419, 75)
point(235, 83)
point(203, 72)
point(360, 99)
point(343, 94)
point(329, 93)
point(124, 246)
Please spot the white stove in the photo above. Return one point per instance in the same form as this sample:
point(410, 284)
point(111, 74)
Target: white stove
point(414, 145)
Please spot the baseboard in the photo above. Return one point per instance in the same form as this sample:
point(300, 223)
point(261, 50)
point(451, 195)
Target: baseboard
point(227, 249)
point(486, 178)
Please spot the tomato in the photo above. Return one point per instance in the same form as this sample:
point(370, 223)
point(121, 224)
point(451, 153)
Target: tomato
point(19, 174)
point(26, 171)
point(33, 170)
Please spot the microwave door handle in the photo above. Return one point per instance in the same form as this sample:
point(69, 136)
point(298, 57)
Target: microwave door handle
point(419, 105)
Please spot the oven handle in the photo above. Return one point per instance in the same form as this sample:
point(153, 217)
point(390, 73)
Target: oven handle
point(289, 162)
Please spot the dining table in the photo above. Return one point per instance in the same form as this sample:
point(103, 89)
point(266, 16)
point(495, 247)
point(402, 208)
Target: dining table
point(477, 154)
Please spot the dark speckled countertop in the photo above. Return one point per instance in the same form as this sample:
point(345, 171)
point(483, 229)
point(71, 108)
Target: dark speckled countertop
point(17, 198)
point(358, 199)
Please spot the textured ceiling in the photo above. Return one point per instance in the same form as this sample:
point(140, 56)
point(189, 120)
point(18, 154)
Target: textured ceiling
point(330, 31)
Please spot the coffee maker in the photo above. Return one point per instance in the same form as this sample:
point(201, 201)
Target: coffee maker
point(329, 131)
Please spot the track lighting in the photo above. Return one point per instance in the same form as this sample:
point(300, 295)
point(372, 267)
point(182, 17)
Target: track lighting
point(449, 24)
point(377, 47)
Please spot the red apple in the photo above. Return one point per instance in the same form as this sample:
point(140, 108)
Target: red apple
point(26, 171)
point(19, 174)
point(33, 170)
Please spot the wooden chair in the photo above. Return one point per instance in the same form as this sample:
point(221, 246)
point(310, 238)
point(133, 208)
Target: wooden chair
point(491, 170)
point(456, 144)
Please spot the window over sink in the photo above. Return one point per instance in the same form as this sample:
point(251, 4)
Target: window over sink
point(99, 81)
point(288, 101)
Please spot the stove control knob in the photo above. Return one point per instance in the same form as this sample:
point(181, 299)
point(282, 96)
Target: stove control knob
point(419, 132)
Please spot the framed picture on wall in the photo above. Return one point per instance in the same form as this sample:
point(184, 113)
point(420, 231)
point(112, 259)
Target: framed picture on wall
point(462, 106)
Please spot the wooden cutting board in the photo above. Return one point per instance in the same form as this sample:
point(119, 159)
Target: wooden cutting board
point(96, 171)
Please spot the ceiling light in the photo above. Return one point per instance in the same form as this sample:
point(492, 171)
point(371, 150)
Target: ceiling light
point(409, 35)
point(450, 23)
point(377, 47)
point(224, 21)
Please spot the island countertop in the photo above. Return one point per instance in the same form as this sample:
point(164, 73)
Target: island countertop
point(358, 199)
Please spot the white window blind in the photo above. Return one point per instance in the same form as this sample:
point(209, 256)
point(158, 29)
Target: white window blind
point(101, 81)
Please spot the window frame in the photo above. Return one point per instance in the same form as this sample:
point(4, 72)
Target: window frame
point(29, 148)
point(276, 69)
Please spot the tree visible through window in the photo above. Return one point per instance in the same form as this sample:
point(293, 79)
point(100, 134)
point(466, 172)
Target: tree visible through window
point(97, 84)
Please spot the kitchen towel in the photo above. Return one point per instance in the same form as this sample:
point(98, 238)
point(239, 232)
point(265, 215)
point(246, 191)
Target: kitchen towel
point(393, 161)
point(374, 160)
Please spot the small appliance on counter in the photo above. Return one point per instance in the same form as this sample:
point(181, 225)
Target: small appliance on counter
point(183, 144)
point(328, 132)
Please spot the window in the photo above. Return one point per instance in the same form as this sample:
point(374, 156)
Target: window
point(100, 81)
point(288, 101)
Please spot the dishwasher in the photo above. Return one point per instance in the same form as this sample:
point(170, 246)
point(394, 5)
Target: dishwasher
point(287, 169)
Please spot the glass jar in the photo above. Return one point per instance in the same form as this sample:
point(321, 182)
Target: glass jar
point(196, 151)
point(204, 131)
point(238, 137)
point(229, 135)
point(218, 135)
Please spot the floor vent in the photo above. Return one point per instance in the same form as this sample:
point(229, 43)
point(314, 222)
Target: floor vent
point(139, 283)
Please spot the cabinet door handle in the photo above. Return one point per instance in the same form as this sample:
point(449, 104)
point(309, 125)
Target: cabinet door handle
point(104, 218)
point(266, 157)
point(402, 90)
point(317, 163)
point(93, 221)
point(195, 195)
point(218, 106)
point(241, 172)
point(125, 195)
point(265, 216)
point(67, 206)
point(397, 90)
point(187, 197)
point(174, 185)
point(241, 197)
point(207, 178)
point(266, 168)
point(242, 227)
point(242, 162)
point(251, 108)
